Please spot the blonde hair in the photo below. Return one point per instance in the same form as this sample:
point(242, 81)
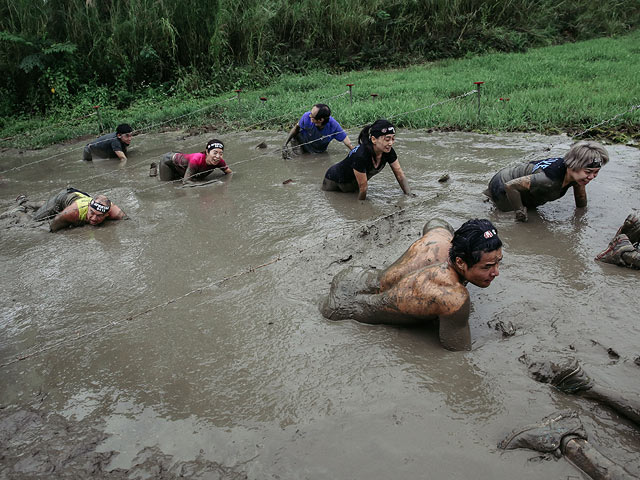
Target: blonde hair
point(582, 154)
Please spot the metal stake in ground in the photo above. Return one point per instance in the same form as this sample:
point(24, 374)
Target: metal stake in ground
point(374, 96)
point(478, 84)
point(238, 92)
point(350, 93)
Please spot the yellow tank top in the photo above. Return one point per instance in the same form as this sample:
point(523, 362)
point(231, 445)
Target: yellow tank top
point(83, 206)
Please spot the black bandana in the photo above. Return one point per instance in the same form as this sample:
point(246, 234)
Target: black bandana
point(99, 207)
point(212, 145)
point(381, 128)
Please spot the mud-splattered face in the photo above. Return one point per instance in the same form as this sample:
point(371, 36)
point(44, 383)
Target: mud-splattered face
point(482, 273)
point(94, 217)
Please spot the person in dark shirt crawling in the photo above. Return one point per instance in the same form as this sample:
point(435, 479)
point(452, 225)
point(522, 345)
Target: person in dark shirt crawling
point(535, 183)
point(373, 152)
point(111, 145)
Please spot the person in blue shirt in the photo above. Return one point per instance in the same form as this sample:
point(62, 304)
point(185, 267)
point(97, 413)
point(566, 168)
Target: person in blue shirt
point(314, 131)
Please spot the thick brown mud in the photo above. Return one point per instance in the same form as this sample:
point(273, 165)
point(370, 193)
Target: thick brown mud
point(189, 341)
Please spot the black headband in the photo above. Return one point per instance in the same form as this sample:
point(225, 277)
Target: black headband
point(386, 130)
point(213, 145)
point(594, 164)
point(99, 207)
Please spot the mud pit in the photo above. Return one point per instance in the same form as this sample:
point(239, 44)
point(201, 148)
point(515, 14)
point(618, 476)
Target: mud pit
point(245, 378)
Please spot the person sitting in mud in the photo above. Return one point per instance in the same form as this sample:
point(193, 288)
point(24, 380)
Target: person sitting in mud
point(72, 208)
point(624, 249)
point(535, 183)
point(374, 151)
point(314, 131)
point(193, 166)
point(427, 282)
point(112, 145)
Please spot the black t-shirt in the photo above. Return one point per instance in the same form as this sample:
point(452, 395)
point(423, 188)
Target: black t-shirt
point(359, 159)
point(547, 177)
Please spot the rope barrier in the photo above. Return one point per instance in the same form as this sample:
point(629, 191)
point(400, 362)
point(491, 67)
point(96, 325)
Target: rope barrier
point(273, 151)
point(79, 147)
point(635, 107)
point(297, 251)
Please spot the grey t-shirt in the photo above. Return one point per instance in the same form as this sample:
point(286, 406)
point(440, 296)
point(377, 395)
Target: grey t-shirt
point(107, 146)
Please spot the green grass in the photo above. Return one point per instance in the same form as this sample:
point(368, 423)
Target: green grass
point(565, 88)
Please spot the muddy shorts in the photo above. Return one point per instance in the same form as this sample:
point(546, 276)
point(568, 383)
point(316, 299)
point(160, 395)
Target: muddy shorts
point(167, 169)
point(57, 203)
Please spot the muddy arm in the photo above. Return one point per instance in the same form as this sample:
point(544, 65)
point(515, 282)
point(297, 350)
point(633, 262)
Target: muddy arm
point(363, 184)
point(513, 188)
point(399, 174)
point(454, 329)
point(69, 216)
point(294, 131)
point(580, 195)
point(116, 213)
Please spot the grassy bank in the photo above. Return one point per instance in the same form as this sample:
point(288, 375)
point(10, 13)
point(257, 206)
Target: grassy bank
point(563, 88)
point(118, 48)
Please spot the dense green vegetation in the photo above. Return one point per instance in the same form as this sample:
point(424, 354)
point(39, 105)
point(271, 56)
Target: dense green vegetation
point(563, 88)
point(55, 53)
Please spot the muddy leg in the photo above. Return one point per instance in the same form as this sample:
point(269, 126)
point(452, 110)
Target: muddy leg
point(348, 295)
point(571, 378)
point(617, 247)
point(584, 456)
point(563, 434)
point(631, 228)
point(52, 207)
point(166, 169)
point(632, 259)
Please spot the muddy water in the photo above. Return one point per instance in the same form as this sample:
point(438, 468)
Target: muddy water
point(245, 377)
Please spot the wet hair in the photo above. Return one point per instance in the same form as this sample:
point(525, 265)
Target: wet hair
point(214, 143)
point(377, 129)
point(586, 154)
point(472, 239)
point(324, 112)
point(123, 128)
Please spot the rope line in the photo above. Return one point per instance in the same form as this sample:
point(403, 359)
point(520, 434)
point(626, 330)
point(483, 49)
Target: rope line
point(65, 341)
point(634, 107)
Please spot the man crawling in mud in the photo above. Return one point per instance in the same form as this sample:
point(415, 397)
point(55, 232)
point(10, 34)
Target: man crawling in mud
point(72, 208)
point(427, 282)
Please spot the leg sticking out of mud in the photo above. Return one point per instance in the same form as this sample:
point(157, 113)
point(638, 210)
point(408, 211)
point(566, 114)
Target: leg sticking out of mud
point(563, 434)
point(623, 249)
point(569, 377)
